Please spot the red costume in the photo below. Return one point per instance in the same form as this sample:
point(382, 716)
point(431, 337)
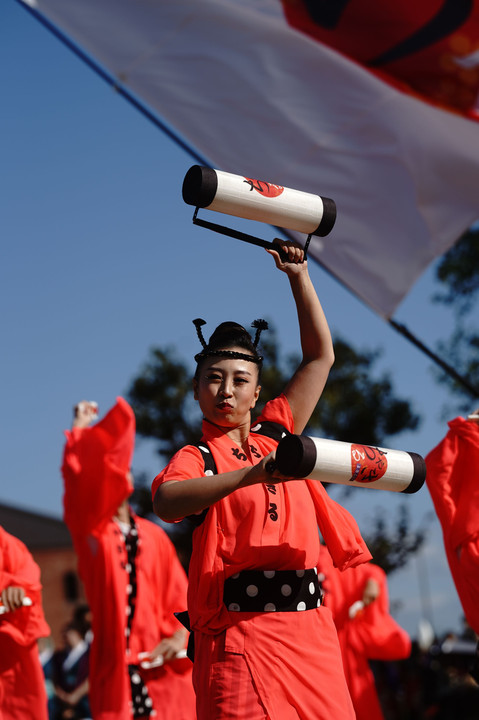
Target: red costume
point(453, 481)
point(258, 664)
point(371, 634)
point(133, 583)
point(22, 683)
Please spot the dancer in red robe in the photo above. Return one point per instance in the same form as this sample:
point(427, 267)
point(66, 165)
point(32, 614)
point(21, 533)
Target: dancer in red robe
point(358, 599)
point(22, 683)
point(453, 482)
point(264, 647)
point(133, 579)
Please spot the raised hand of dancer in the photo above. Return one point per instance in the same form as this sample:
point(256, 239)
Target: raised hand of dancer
point(84, 413)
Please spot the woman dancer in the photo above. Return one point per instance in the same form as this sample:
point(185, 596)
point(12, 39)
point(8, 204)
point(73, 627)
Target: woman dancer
point(264, 646)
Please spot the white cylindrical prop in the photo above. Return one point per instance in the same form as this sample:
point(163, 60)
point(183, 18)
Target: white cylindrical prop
point(345, 463)
point(265, 202)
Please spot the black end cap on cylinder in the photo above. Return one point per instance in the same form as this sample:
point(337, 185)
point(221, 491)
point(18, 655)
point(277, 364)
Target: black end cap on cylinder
point(200, 186)
point(328, 219)
point(295, 456)
point(419, 474)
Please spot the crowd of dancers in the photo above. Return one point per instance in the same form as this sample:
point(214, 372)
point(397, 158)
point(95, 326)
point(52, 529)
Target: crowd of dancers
point(276, 620)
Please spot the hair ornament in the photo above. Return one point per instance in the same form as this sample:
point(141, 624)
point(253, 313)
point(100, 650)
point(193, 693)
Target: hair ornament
point(208, 351)
point(259, 325)
point(198, 324)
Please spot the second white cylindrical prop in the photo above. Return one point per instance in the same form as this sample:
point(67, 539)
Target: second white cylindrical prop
point(258, 200)
point(345, 463)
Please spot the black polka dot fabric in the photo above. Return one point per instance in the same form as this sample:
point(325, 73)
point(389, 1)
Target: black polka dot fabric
point(142, 704)
point(132, 549)
point(273, 591)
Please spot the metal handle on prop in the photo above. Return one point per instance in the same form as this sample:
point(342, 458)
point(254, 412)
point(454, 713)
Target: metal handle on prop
point(245, 237)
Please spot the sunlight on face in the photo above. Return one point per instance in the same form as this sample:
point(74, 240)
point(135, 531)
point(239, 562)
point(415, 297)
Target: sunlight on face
point(227, 389)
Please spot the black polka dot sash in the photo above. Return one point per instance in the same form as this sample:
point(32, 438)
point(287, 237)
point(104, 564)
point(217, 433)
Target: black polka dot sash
point(141, 702)
point(272, 591)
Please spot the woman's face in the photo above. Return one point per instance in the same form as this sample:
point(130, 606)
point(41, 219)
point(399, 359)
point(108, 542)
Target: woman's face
point(227, 389)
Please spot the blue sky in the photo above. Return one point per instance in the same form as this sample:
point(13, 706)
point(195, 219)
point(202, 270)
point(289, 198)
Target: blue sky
point(100, 262)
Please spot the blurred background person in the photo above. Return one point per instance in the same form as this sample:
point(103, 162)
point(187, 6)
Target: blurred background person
point(358, 600)
point(453, 482)
point(70, 676)
point(22, 622)
point(134, 582)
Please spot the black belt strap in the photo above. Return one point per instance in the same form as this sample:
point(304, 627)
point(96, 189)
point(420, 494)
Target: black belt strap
point(273, 591)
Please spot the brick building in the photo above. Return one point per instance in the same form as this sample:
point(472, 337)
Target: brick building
point(49, 542)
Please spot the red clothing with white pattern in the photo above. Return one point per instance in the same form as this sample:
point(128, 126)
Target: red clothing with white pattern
point(293, 658)
point(95, 464)
point(22, 683)
point(372, 634)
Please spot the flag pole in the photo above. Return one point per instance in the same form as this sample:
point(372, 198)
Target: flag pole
point(403, 330)
point(116, 85)
point(113, 82)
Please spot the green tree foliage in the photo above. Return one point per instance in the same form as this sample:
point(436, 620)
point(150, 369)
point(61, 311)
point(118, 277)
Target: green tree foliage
point(458, 275)
point(391, 542)
point(458, 272)
point(355, 406)
point(161, 397)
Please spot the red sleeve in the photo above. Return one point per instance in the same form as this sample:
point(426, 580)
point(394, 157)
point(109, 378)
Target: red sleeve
point(439, 464)
point(186, 463)
point(18, 568)
point(338, 528)
point(95, 464)
point(452, 468)
point(452, 471)
point(278, 411)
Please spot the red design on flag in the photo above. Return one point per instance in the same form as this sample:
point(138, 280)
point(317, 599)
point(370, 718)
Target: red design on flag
point(427, 48)
point(264, 188)
point(368, 464)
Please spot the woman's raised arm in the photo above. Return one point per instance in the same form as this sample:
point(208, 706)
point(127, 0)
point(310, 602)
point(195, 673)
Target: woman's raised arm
point(306, 386)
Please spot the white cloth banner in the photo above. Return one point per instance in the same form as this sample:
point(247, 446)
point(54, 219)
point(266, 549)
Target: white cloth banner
point(258, 98)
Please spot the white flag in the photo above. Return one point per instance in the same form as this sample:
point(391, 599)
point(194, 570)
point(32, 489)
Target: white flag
point(259, 98)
